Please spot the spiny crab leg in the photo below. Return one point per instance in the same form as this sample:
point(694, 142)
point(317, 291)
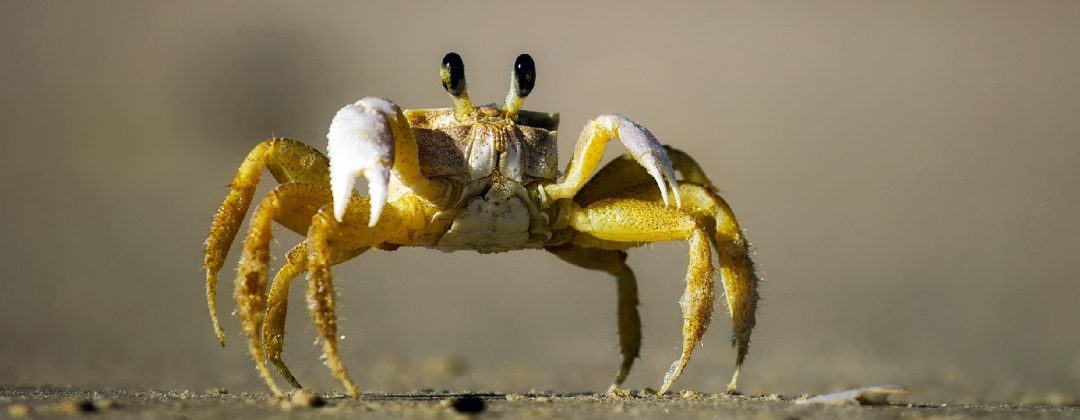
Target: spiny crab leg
point(643, 147)
point(361, 142)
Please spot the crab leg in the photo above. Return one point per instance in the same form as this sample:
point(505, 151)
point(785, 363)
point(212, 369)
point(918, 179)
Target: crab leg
point(623, 178)
point(737, 270)
point(289, 204)
point(614, 263)
point(736, 267)
point(623, 172)
point(637, 221)
point(351, 233)
point(369, 138)
point(288, 160)
point(277, 304)
point(643, 147)
point(273, 332)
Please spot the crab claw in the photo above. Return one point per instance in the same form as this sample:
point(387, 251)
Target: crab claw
point(647, 151)
point(361, 142)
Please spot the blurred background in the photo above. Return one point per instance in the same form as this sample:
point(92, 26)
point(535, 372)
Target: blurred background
point(907, 172)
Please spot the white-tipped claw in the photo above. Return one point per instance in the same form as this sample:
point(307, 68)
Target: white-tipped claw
point(648, 152)
point(649, 162)
point(669, 176)
point(361, 143)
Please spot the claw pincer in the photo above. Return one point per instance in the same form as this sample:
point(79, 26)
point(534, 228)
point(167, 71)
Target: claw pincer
point(647, 151)
point(361, 143)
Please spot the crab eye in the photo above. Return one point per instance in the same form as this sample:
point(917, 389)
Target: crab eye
point(524, 75)
point(453, 74)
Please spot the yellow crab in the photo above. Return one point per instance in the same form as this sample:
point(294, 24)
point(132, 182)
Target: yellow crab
point(482, 178)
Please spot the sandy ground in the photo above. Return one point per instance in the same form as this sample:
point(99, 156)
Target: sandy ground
point(57, 402)
point(906, 171)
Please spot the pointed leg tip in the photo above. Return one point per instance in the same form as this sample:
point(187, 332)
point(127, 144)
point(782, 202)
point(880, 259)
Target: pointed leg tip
point(620, 378)
point(617, 391)
point(673, 373)
point(211, 295)
point(219, 333)
point(734, 382)
point(665, 387)
point(274, 389)
point(616, 388)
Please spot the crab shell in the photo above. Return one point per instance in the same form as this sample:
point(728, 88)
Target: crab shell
point(490, 159)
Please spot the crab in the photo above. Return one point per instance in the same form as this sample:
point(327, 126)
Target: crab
point(480, 178)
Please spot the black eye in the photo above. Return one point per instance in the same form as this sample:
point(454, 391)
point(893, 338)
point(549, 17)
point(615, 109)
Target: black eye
point(453, 74)
point(524, 75)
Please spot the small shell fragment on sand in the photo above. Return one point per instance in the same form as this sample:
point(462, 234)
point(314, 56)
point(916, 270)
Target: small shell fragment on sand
point(862, 396)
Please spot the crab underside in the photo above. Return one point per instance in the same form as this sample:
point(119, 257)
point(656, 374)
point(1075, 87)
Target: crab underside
point(480, 178)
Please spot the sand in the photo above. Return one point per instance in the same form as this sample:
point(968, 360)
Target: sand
point(36, 402)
